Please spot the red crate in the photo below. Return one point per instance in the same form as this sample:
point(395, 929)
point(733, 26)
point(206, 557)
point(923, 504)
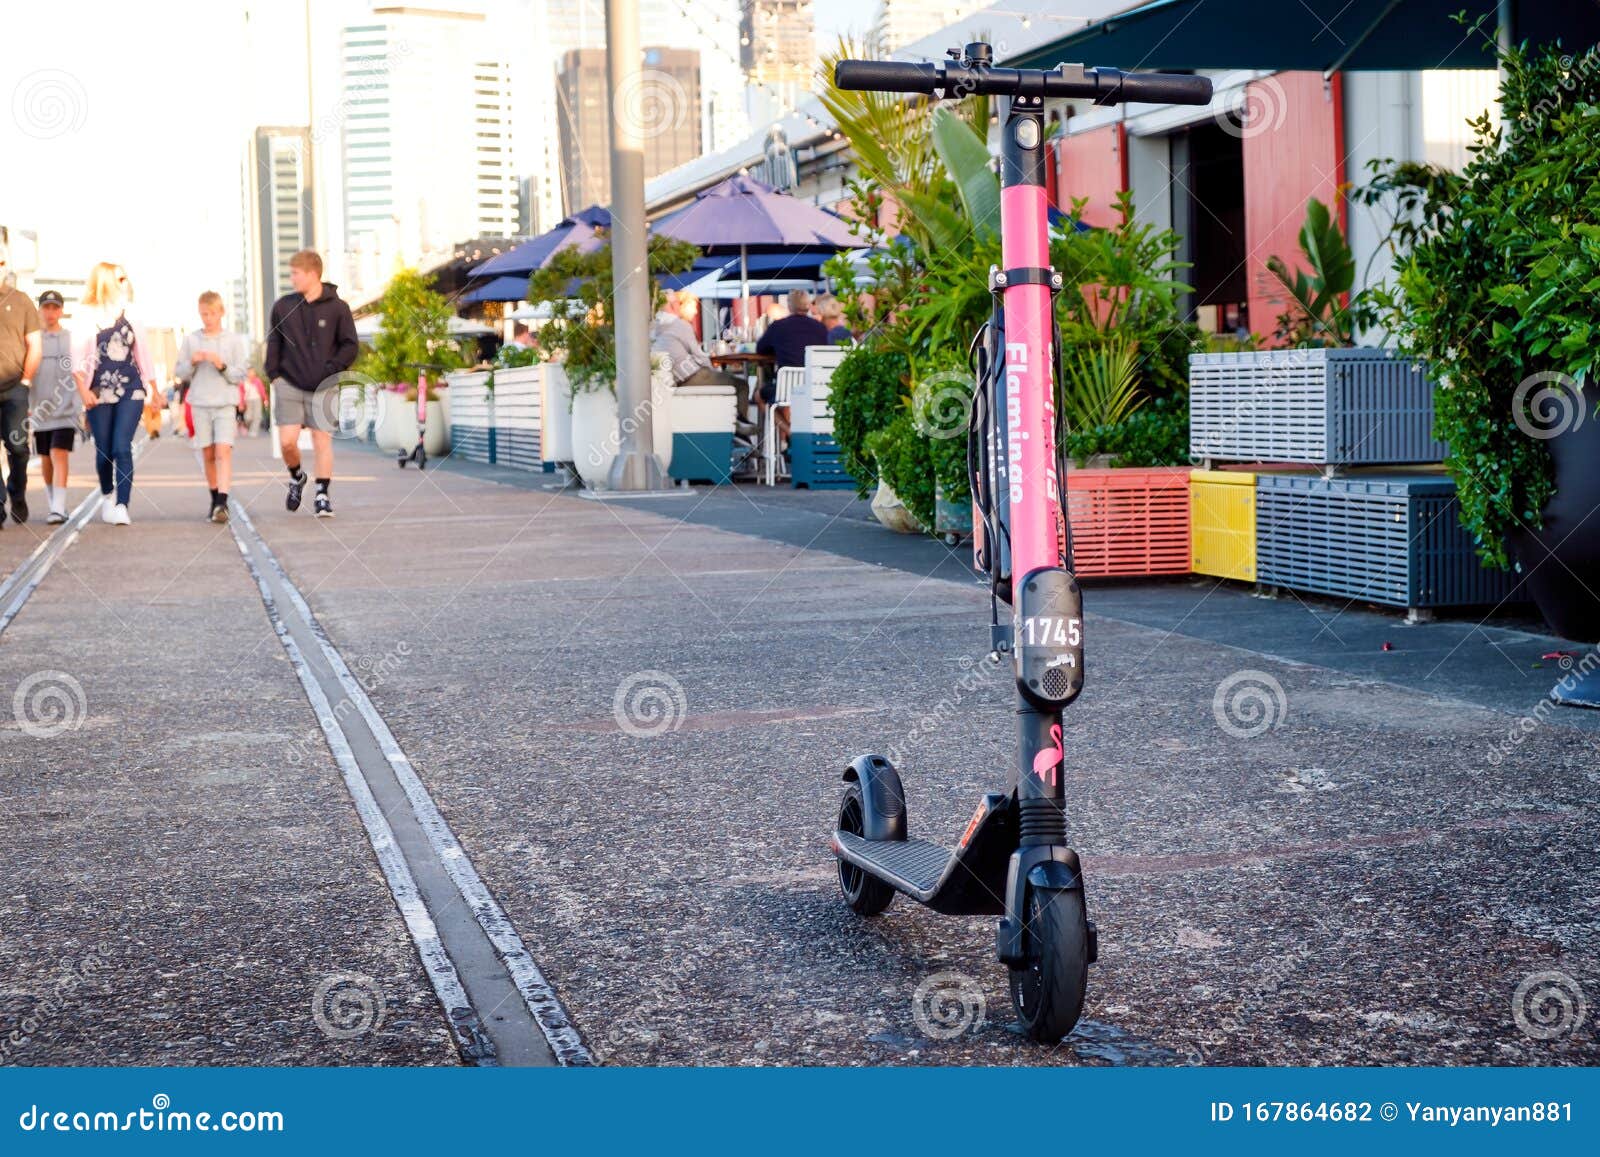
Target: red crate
point(1129, 522)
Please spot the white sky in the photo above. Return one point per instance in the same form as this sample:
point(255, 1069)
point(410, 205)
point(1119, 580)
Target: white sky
point(124, 124)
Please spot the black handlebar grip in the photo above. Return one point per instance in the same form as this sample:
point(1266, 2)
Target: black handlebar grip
point(887, 76)
point(1163, 88)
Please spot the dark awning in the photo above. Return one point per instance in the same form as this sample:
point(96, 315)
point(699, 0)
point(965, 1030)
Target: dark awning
point(1314, 35)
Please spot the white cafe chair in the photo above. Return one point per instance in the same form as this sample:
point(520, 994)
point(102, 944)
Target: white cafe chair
point(788, 378)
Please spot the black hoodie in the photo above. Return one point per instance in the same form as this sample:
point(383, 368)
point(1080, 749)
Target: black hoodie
point(309, 342)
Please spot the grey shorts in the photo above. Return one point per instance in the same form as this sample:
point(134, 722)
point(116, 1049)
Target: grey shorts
point(214, 425)
point(292, 406)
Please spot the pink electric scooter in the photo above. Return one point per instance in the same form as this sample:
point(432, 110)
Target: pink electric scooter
point(1012, 860)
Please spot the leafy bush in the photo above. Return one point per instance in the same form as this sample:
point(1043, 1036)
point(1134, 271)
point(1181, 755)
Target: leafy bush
point(868, 391)
point(904, 457)
point(1500, 285)
point(1157, 435)
point(415, 333)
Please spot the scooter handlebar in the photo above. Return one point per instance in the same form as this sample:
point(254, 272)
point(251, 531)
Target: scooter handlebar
point(1101, 85)
point(888, 76)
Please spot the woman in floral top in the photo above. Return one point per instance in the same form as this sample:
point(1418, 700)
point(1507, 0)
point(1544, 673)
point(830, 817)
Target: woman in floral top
point(111, 359)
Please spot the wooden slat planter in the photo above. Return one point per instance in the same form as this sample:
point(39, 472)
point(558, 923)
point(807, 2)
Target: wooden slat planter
point(1393, 539)
point(471, 420)
point(1129, 522)
point(814, 457)
point(501, 426)
point(517, 408)
point(1342, 407)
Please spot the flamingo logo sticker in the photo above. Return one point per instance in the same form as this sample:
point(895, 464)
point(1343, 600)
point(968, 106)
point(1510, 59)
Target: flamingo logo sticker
point(1046, 762)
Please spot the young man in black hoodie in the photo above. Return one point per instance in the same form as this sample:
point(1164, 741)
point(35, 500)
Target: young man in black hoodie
point(311, 342)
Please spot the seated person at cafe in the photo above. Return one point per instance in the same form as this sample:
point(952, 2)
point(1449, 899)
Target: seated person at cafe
point(786, 340)
point(673, 334)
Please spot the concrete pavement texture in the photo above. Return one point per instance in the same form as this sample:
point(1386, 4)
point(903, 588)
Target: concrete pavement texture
point(634, 714)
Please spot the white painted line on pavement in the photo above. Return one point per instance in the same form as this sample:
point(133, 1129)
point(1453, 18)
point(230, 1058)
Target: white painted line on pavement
point(540, 997)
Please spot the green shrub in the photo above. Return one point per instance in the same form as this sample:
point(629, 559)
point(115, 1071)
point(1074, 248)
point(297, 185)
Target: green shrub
point(868, 391)
point(1500, 285)
point(906, 464)
point(1157, 435)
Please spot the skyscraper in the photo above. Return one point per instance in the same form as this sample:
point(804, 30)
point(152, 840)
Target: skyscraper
point(278, 216)
point(778, 51)
point(900, 22)
point(665, 109)
point(497, 192)
point(425, 122)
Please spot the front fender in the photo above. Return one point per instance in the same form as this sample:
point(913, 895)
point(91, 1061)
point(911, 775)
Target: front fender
point(883, 800)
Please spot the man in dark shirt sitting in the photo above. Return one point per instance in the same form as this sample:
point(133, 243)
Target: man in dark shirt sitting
point(786, 340)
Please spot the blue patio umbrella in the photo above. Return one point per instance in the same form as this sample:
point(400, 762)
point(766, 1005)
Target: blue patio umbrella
point(742, 216)
point(522, 260)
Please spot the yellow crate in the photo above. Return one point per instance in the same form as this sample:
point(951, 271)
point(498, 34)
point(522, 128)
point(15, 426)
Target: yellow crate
point(1222, 521)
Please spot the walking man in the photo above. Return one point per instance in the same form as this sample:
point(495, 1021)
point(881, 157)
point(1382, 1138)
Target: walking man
point(211, 364)
point(311, 341)
point(58, 405)
point(20, 352)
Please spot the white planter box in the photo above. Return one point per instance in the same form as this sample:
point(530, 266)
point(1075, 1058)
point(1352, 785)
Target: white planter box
point(397, 422)
point(469, 415)
point(555, 407)
point(701, 443)
point(518, 410)
point(594, 435)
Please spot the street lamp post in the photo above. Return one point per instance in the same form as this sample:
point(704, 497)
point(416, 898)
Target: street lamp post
point(636, 467)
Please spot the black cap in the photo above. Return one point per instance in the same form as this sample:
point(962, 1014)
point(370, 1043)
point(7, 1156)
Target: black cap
point(51, 297)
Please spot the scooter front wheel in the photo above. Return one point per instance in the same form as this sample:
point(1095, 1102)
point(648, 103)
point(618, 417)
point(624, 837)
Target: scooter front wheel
point(1048, 990)
point(866, 895)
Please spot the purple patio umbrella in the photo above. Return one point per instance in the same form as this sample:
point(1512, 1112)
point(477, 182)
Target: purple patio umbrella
point(742, 215)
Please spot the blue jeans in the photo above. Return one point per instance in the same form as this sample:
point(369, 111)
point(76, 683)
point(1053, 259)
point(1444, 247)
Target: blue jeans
point(113, 425)
point(14, 430)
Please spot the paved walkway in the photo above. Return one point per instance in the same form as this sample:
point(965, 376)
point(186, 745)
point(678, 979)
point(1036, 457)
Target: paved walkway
point(632, 715)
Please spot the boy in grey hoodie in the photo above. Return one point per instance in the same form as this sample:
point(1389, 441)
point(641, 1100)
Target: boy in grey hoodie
point(213, 363)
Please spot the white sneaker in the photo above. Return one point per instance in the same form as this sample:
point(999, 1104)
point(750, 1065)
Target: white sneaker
point(108, 509)
point(119, 516)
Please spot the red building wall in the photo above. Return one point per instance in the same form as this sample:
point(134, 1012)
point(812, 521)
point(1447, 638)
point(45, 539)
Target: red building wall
point(1293, 150)
point(1093, 165)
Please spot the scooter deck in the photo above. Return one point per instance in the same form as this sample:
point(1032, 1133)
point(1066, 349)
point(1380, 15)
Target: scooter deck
point(969, 881)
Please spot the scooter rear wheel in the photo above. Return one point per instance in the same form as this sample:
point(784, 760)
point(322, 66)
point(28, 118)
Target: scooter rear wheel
point(866, 895)
point(1048, 991)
